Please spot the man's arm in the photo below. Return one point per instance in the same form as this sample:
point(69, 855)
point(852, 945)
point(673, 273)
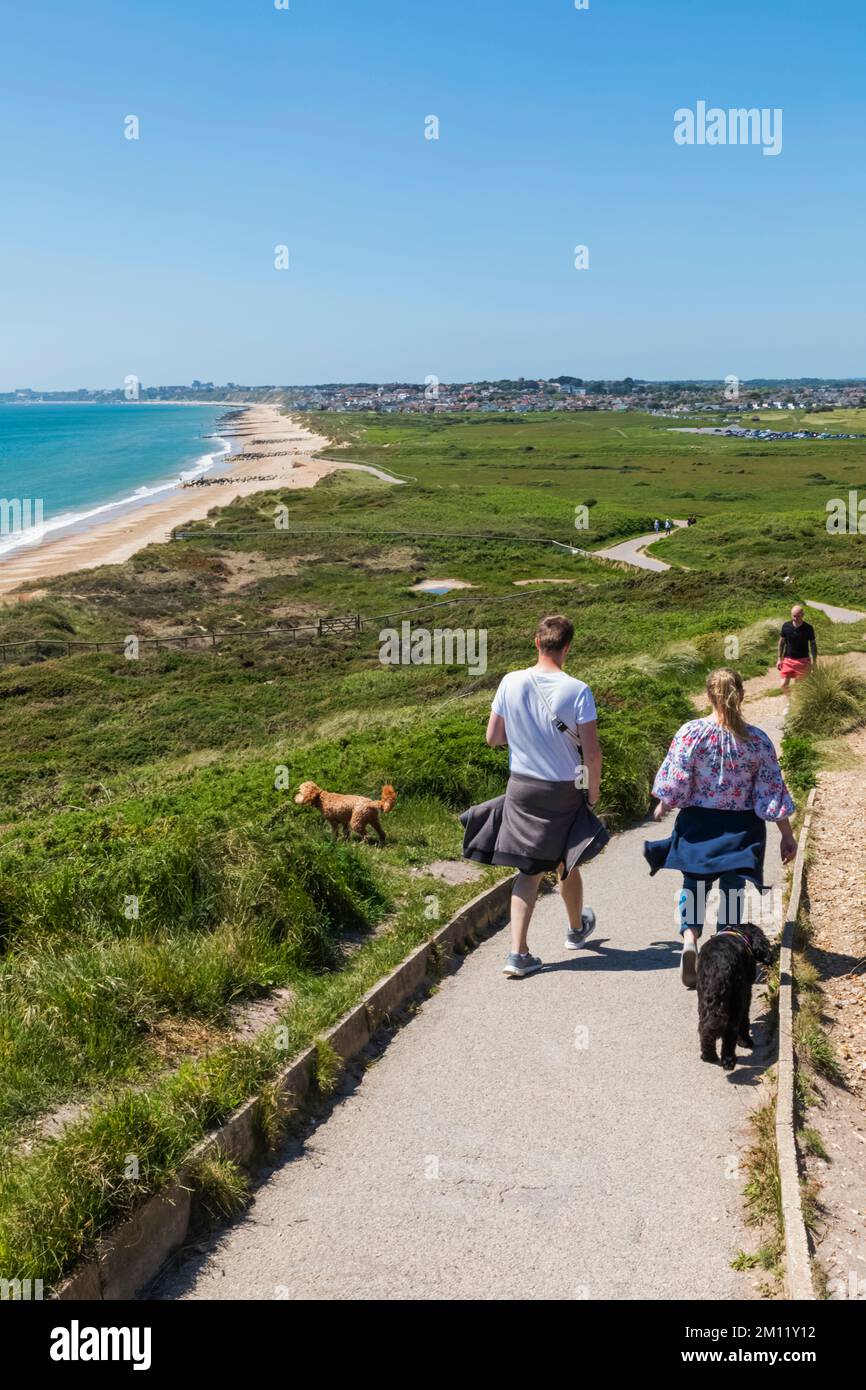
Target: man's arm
point(591, 759)
point(496, 732)
point(813, 646)
point(782, 645)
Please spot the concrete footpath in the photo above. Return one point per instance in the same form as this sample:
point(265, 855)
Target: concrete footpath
point(633, 552)
point(556, 1137)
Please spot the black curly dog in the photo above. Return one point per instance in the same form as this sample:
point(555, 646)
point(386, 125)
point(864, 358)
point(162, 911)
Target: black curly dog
point(727, 966)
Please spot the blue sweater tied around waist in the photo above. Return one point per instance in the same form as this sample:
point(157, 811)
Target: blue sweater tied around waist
point(706, 843)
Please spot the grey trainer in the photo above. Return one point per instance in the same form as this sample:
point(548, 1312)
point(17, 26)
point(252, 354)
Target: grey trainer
point(518, 966)
point(575, 939)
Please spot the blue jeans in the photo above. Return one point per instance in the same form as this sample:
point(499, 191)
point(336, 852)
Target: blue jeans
point(693, 901)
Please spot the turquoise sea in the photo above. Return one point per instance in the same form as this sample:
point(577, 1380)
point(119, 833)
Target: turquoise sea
point(85, 462)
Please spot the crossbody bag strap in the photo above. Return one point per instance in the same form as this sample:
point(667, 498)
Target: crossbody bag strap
point(560, 723)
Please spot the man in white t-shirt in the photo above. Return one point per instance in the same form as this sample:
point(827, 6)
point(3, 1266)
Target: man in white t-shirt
point(547, 720)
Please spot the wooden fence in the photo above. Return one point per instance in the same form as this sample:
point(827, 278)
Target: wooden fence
point(290, 632)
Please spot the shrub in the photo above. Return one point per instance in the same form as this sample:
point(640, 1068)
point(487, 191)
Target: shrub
point(832, 700)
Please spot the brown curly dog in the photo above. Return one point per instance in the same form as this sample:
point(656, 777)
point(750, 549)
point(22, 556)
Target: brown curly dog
point(351, 813)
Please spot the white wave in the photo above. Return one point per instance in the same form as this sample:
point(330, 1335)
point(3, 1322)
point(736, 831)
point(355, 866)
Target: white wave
point(69, 520)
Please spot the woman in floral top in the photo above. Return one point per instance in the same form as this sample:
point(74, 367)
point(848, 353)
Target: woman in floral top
point(724, 778)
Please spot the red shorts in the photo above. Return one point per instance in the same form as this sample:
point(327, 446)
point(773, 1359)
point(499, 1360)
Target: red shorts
point(797, 667)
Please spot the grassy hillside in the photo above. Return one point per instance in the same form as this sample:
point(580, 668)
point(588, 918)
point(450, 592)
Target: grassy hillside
point(156, 875)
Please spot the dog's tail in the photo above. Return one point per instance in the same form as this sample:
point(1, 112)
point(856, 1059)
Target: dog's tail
point(389, 796)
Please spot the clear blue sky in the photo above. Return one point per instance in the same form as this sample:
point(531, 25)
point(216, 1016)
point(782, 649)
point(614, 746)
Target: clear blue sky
point(453, 257)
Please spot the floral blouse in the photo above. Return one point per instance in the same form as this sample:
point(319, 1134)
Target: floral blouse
point(707, 765)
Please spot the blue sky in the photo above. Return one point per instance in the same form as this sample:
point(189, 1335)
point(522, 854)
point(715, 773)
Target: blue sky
point(409, 256)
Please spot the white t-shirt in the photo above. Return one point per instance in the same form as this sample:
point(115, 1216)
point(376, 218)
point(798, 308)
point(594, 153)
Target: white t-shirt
point(536, 748)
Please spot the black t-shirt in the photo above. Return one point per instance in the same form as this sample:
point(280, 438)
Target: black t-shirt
point(797, 639)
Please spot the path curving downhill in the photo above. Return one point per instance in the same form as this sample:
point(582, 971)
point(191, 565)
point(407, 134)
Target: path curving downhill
point(633, 552)
point(363, 468)
point(835, 614)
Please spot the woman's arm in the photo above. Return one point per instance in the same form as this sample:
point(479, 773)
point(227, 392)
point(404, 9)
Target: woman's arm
point(788, 847)
point(771, 799)
point(673, 781)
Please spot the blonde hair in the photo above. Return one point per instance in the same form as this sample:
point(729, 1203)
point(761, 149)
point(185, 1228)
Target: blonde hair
point(725, 689)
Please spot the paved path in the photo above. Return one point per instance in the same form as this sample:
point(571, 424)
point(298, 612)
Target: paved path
point(837, 615)
point(363, 468)
point(556, 1137)
point(633, 553)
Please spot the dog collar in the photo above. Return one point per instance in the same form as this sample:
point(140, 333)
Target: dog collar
point(733, 931)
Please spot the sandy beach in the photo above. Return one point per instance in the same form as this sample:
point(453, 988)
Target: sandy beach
point(272, 446)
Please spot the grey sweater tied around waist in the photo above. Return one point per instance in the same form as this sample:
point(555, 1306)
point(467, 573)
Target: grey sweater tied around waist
point(535, 826)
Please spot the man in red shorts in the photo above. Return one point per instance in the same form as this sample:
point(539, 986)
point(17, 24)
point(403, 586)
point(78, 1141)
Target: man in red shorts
point(797, 647)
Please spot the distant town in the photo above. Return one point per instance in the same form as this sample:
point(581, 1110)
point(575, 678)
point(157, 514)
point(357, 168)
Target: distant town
point(520, 396)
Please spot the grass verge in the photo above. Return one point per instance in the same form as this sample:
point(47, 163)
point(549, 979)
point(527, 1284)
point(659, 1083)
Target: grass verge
point(57, 1202)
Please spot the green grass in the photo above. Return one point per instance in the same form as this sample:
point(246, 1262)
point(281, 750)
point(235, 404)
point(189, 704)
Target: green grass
point(812, 1142)
point(222, 1189)
point(58, 1200)
point(763, 1192)
point(812, 1040)
point(800, 763)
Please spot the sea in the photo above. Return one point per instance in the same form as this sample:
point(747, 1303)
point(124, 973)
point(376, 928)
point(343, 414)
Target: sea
point(74, 465)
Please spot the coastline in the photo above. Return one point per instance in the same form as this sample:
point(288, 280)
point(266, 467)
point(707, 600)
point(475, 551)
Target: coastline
point(269, 446)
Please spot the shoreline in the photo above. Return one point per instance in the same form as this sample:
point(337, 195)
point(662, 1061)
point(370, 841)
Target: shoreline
point(228, 405)
point(283, 455)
